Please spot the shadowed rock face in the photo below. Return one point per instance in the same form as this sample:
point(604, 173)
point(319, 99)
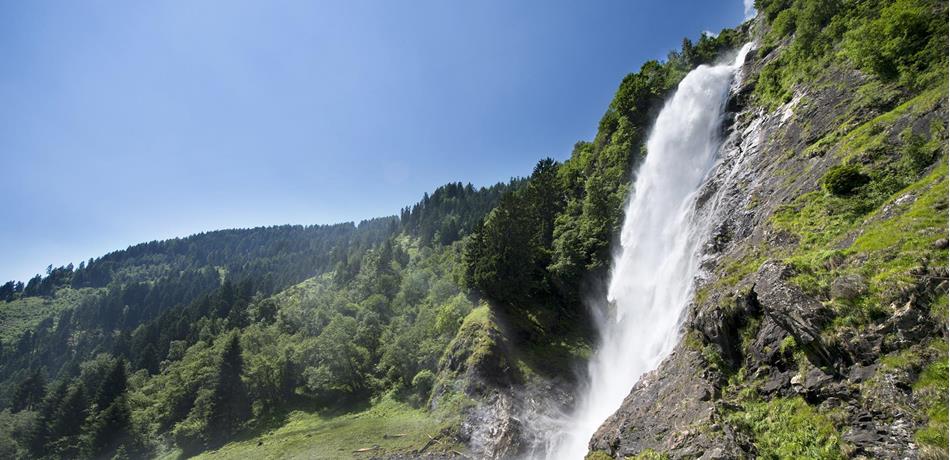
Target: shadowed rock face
point(680, 408)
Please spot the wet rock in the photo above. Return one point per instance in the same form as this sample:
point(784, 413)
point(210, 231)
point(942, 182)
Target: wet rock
point(668, 410)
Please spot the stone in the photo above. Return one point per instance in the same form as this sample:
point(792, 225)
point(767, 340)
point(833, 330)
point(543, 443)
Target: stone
point(797, 383)
point(848, 287)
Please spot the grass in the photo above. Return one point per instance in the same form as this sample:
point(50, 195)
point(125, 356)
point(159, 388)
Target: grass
point(931, 389)
point(788, 428)
point(388, 427)
point(25, 313)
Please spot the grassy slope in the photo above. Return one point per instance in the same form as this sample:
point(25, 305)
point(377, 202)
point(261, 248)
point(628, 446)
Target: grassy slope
point(392, 426)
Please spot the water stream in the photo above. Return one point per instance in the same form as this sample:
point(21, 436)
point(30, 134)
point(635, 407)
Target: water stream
point(652, 278)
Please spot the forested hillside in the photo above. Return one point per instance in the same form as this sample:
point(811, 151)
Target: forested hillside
point(129, 342)
point(442, 331)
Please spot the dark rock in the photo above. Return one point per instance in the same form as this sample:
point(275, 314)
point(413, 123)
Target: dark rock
point(907, 326)
point(798, 314)
point(776, 382)
point(861, 373)
point(720, 326)
point(942, 243)
point(815, 379)
point(668, 410)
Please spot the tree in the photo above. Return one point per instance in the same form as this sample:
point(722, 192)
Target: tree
point(341, 362)
point(70, 418)
point(229, 402)
point(29, 393)
point(42, 432)
point(113, 386)
point(148, 360)
point(110, 428)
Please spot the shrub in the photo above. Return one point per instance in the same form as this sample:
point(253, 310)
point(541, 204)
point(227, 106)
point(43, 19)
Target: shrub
point(844, 179)
point(423, 381)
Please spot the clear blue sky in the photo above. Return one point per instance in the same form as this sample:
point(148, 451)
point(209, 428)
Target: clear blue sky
point(123, 122)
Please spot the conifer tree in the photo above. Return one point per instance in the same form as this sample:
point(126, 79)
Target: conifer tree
point(230, 405)
point(66, 434)
point(113, 386)
point(29, 393)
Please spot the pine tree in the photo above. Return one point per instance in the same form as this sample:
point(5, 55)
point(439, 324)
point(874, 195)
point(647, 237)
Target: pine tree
point(113, 386)
point(70, 418)
point(230, 405)
point(110, 429)
point(148, 360)
point(29, 393)
point(42, 431)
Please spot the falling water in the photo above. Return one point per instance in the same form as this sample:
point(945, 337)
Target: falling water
point(652, 277)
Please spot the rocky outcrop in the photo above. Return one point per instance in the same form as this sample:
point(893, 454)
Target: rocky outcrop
point(757, 328)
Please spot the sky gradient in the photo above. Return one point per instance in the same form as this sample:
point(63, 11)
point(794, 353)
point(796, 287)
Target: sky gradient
point(124, 122)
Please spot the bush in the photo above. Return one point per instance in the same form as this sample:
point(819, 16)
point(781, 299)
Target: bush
point(905, 42)
point(423, 381)
point(844, 179)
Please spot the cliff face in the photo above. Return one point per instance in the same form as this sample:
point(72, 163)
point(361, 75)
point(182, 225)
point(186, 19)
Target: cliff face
point(819, 326)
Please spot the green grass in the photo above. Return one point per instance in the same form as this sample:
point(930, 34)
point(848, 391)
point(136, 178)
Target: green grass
point(650, 454)
point(389, 427)
point(25, 313)
point(931, 389)
point(788, 428)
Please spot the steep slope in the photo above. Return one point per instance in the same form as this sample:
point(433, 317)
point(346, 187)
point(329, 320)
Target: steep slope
point(819, 327)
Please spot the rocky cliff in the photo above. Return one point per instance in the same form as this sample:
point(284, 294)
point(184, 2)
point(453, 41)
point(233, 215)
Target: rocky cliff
point(819, 327)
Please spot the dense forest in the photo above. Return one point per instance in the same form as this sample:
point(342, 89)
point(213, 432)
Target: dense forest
point(177, 347)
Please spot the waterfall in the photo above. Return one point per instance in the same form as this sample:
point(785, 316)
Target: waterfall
point(652, 278)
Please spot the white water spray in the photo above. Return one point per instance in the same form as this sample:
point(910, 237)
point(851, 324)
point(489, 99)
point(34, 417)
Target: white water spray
point(652, 278)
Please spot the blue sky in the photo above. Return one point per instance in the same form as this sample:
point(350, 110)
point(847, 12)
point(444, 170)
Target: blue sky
point(124, 122)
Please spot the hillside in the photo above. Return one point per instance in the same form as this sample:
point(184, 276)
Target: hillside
point(817, 327)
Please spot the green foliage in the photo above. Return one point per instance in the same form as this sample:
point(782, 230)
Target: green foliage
point(650, 454)
point(902, 41)
point(906, 41)
point(598, 455)
point(15, 430)
point(931, 388)
point(844, 179)
point(788, 428)
point(229, 402)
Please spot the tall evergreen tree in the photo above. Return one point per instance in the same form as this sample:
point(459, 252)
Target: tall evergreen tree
point(42, 432)
point(230, 406)
point(29, 393)
point(70, 419)
point(113, 386)
point(110, 429)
